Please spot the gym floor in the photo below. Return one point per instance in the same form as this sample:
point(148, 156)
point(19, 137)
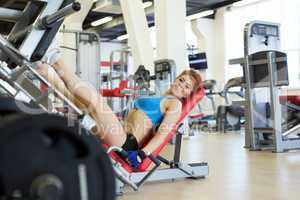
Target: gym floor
point(235, 173)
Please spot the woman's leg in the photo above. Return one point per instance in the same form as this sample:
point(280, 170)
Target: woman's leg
point(109, 128)
point(49, 73)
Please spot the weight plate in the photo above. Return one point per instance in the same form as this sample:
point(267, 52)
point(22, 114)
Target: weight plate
point(9, 106)
point(44, 146)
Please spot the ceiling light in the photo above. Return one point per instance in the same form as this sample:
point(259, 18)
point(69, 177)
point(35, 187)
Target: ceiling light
point(244, 3)
point(101, 21)
point(147, 4)
point(201, 14)
point(123, 37)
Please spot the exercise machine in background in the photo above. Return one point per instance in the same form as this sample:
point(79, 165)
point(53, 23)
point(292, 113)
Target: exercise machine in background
point(127, 87)
point(116, 82)
point(231, 116)
point(224, 118)
point(205, 122)
point(266, 73)
point(85, 51)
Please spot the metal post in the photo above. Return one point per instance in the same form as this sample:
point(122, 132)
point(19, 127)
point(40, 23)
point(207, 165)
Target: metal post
point(78, 70)
point(275, 104)
point(178, 142)
point(250, 105)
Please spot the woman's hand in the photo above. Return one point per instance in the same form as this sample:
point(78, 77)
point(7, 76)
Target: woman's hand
point(136, 157)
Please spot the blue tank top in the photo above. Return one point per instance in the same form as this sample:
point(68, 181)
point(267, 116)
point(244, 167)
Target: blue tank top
point(151, 107)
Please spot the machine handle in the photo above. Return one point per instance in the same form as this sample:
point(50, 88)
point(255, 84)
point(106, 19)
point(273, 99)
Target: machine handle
point(121, 151)
point(59, 15)
point(156, 161)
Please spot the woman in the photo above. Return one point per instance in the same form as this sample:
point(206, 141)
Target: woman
point(152, 117)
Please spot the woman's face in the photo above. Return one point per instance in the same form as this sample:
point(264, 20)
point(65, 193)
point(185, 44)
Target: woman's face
point(182, 86)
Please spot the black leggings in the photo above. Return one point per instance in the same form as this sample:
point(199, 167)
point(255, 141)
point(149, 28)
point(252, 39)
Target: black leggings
point(131, 143)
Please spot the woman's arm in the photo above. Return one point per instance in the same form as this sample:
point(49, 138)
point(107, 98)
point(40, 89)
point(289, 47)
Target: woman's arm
point(172, 114)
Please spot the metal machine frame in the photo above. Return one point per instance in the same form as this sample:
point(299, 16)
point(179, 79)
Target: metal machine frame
point(176, 168)
point(263, 38)
point(36, 25)
point(18, 81)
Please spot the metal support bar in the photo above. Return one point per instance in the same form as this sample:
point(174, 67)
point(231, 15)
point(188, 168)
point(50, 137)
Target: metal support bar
point(290, 144)
point(164, 160)
point(275, 104)
point(9, 51)
point(188, 169)
point(201, 170)
point(250, 133)
point(266, 61)
point(150, 173)
point(59, 15)
point(121, 174)
point(124, 176)
point(10, 15)
point(4, 85)
point(177, 146)
point(295, 129)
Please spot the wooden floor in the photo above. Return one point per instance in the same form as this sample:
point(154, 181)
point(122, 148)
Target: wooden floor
point(235, 173)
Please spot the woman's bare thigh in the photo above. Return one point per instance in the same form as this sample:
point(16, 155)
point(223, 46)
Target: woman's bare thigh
point(138, 124)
